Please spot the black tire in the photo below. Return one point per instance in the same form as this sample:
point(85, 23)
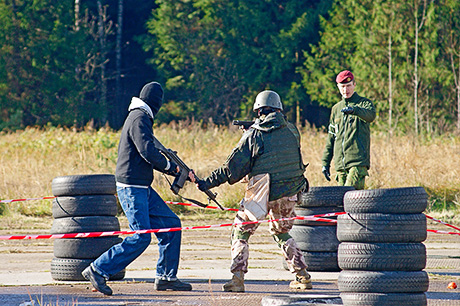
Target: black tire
point(319, 261)
point(378, 299)
point(382, 256)
point(300, 299)
point(324, 196)
point(84, 248)
point(396, 228)
point(85, 205)
point(315, 238)
point(409, 200)
point(309, 211)
point(383, 281)
point(85, 224)
point(73, 185)
point(65, 269)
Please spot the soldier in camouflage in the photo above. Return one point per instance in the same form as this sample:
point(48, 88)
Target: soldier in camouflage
point(269, 155)
point(349, 136)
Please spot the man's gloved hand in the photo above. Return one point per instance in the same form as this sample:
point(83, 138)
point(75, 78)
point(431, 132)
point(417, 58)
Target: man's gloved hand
point(326, 173)
point(173, 169)
point(347, 110)
point(202, 185)
point(191, 176)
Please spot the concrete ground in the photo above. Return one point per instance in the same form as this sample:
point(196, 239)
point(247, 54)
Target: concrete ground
point(25, 277)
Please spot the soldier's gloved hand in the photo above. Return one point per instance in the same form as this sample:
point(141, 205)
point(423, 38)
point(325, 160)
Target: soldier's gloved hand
point(173, 169)
point(347, 110)
point(326, 173)
point(202, 185)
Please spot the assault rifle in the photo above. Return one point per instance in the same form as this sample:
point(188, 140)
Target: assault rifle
point(180, 179)
point(245, 125)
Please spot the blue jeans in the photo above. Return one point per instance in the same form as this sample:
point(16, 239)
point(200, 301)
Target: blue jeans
point(145, 210)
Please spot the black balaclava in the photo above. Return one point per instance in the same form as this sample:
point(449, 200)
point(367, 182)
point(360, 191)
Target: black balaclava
point(152, 94)
point(265, 110)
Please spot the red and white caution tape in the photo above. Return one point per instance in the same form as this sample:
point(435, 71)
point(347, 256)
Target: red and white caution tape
point(319, 218)
point(442, 222)
point(442, 232)
point(167, 202)
point(30, 199)
point(194, 205)
point(161, 230)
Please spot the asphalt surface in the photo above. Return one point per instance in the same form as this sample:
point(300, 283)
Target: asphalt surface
point(25, 276)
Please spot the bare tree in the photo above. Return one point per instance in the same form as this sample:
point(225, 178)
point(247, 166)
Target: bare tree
point(118, 62)
point(102, 32)
point(453, 49)
point(77, 15)
point(456, 73)
point(390, 84)
point(418, 28)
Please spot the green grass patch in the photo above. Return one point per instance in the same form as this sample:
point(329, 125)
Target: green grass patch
point(443, 199)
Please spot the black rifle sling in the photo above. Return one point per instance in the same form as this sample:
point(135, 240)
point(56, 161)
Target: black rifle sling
point(187, 199)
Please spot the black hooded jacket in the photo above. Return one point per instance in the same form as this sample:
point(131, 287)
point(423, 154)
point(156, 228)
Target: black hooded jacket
point(137, 154)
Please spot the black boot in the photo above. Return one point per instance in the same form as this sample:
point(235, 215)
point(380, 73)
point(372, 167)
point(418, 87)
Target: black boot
point(97, 280)
point(176, 285)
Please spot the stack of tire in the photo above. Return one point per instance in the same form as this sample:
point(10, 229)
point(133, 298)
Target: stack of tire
point(83, 203)
point(381, 253)
point(318, 240)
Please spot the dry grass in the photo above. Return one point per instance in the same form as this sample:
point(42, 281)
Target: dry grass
point(30, 159)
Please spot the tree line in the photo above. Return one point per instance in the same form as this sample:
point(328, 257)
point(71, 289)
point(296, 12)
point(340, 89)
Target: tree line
point(78, 62)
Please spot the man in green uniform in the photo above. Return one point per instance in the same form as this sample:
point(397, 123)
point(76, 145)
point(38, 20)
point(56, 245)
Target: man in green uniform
point(348, 139)
point(269, 154)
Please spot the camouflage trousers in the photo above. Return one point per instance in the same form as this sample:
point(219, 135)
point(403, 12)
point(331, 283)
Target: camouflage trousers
point(281, 208)
point(355, 176)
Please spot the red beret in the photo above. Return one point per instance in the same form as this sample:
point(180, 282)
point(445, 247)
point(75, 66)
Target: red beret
point(344, 77)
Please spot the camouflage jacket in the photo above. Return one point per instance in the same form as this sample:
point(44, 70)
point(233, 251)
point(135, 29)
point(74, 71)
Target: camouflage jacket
point(271, 145)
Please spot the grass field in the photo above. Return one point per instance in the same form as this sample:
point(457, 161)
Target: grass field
point(30, 159)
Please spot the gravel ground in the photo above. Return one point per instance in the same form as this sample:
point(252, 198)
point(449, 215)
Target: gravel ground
point(205, 259)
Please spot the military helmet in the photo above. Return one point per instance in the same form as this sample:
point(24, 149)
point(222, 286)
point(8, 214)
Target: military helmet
point(268, 98)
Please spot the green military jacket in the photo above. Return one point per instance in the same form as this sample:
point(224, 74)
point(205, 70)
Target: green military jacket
point(349, 138)
point(271, 145)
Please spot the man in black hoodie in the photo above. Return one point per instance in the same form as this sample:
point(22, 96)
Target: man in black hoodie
point(137, 158)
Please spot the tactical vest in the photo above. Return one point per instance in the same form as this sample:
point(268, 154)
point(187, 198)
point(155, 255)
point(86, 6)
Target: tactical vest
point(281, 158)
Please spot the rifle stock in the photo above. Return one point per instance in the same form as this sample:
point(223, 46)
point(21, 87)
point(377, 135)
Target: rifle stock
point(179, 181)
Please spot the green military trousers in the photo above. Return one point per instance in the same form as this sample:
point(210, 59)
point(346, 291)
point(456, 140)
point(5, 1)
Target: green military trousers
point(354, 176)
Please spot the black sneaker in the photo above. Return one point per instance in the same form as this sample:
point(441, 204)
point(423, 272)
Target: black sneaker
point(97, 280)
point(177, 285)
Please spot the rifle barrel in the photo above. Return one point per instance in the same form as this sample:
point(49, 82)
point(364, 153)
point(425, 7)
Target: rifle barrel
point(244, 124)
